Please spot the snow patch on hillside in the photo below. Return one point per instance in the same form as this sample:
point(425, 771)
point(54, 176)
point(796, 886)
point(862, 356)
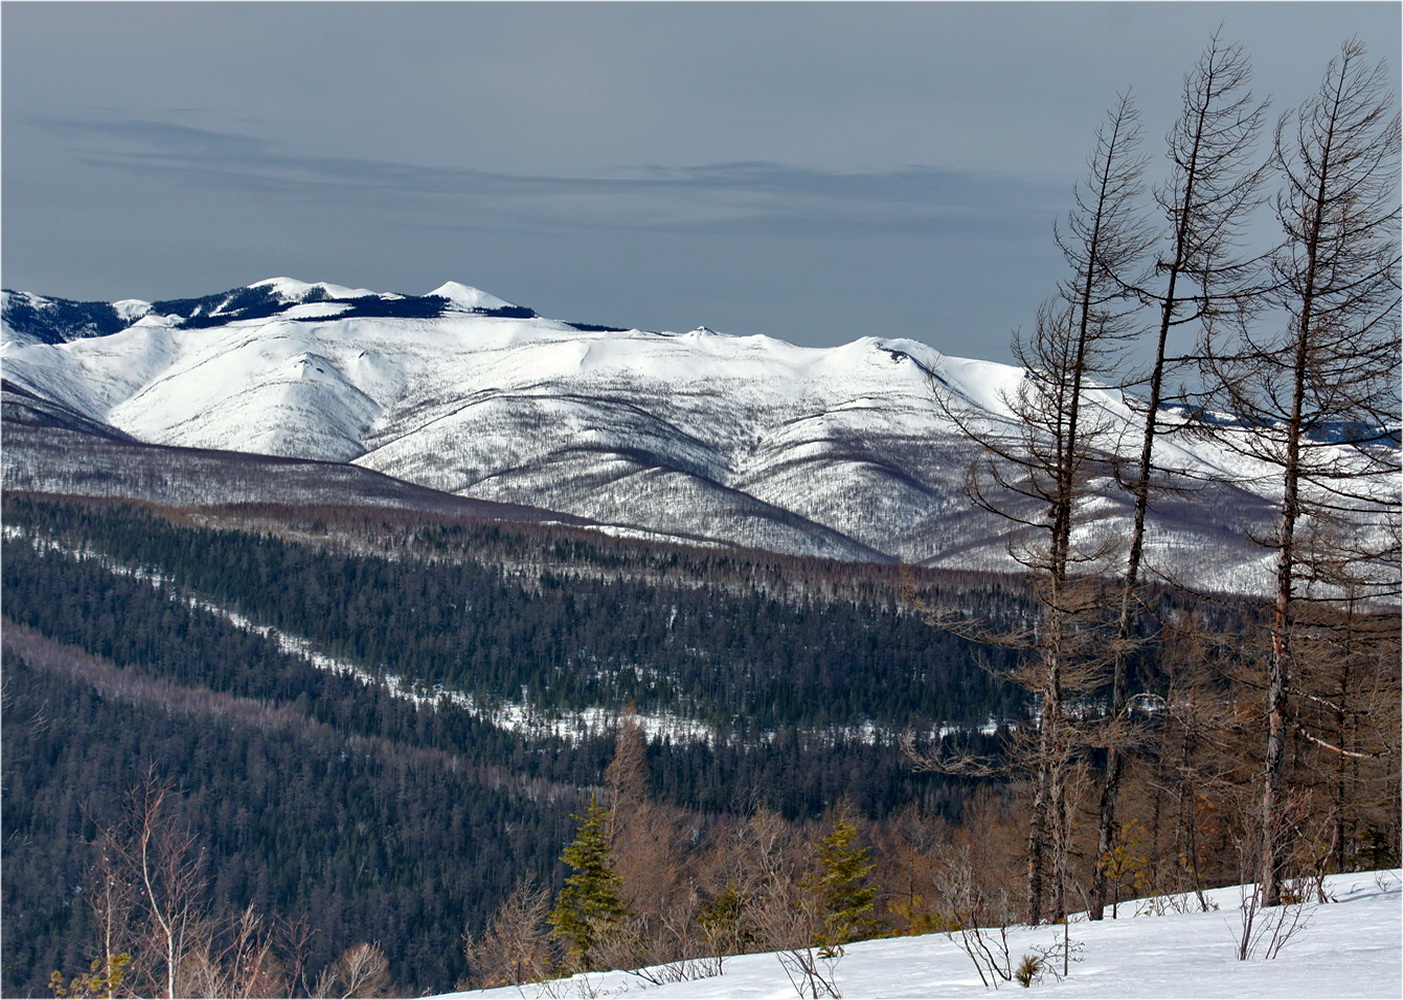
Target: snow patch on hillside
point(131, 310)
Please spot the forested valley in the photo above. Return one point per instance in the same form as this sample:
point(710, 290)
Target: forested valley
point(343, 811)
point(379, 816)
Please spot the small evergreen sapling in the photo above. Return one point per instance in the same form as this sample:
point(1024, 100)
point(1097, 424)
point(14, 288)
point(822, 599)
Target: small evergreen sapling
point(840, 882)
point(103, 980)
point(727, 928)
point(1029, 971)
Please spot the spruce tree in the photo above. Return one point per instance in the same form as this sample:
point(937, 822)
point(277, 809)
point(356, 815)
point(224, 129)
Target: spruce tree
point(590, 915)
point(844, 894)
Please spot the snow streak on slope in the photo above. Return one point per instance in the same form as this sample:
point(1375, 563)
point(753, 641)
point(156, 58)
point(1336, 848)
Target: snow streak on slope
point(511, 716)
point(519, 717)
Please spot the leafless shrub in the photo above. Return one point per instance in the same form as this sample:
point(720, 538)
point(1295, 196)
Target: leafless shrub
point(361, 971)
point(517, 947)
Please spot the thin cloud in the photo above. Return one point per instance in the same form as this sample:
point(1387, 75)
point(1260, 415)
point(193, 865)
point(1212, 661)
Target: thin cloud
point(156, 134)
point(723, 197)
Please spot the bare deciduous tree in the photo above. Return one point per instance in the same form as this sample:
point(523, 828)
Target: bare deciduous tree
point(165, 864)
point(1201, 274)
point(157, 935)
point(1318, 399)
point(361, 971)
point(517, 947)
point(113, 896)
point(1043, 469)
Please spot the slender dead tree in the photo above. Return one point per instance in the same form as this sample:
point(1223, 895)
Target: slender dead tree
point(1045, 461)
point(1201, 273)
point(166, 865)
point(1316, 401)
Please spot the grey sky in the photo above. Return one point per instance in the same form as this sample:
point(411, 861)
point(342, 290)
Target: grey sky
point(811, 171)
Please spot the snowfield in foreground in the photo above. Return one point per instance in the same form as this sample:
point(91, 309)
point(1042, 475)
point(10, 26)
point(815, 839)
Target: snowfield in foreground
point(1350, 947)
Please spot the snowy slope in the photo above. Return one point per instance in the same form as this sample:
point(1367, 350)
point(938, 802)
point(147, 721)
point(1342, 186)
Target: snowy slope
point(292, 290)
point(701, 436)
point(1346, 948)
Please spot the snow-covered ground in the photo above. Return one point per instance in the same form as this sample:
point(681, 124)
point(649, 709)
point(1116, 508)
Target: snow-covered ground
point(1349, 947)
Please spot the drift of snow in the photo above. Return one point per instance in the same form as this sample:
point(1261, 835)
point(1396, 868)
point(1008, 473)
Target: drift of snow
point(1349, 947)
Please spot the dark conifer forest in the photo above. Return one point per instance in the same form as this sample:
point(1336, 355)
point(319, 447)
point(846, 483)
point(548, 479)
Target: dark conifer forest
point(372, 734)
point(319, 797)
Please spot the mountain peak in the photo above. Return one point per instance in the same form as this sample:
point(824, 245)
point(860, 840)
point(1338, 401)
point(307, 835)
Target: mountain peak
point(292, 290)
point(469, 298)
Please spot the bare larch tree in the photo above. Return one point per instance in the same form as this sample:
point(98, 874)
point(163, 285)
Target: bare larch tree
point(1201, 273)
point(1315, 398)
point(1043, 465)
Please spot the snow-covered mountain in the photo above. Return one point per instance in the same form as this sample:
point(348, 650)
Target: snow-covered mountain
point(699, 436)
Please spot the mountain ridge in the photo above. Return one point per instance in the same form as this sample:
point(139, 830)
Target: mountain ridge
point(752, 441)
